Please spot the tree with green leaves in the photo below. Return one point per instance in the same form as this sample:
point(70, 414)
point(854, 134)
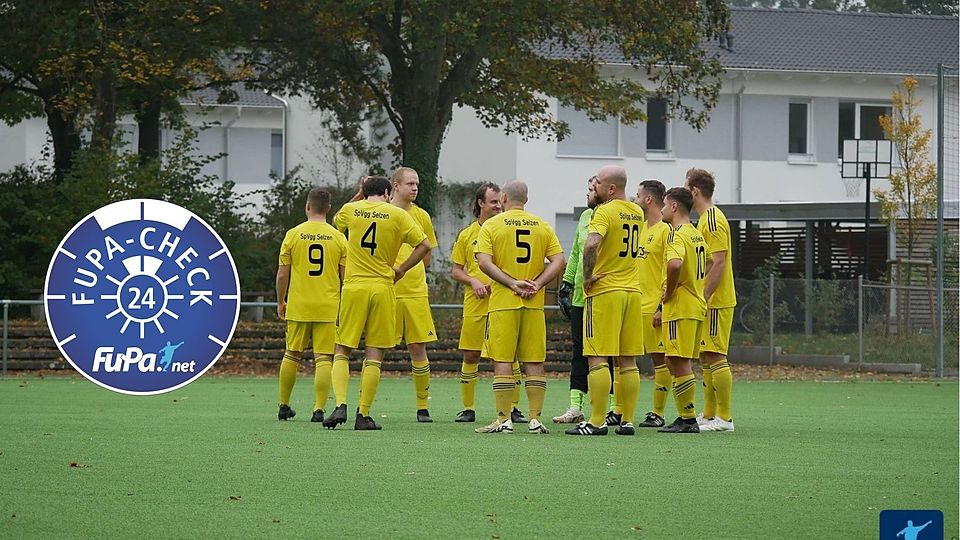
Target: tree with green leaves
point(416, 61)
point(913, 185)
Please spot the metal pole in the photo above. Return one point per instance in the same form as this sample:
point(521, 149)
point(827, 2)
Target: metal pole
point(860, 318)
point(866, 224)
point(940, 242)
point(6, 313)
point(771, 319)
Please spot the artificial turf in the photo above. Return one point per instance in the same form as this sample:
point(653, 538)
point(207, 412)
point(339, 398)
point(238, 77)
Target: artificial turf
point(807, 460)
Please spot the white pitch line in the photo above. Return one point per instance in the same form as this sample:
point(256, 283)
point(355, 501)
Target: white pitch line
point(171, 280)
point(217, 341)
point(114, 280)
point(56, 297)
point(170, 313)
point(123, 329)
point(114, 312)
point(229, 296)
point(217, 254)
point(66, 340)
point(68, 254)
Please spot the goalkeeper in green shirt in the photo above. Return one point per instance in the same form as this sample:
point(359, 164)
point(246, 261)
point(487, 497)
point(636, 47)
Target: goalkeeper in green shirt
point(571, 300)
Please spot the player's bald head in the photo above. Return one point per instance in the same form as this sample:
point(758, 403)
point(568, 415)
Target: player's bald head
point(613, 174)
point(515, 191)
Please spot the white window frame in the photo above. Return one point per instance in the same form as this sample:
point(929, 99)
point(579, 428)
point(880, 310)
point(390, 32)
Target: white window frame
point(810, 156)
point(666, 154)
point(857, 113)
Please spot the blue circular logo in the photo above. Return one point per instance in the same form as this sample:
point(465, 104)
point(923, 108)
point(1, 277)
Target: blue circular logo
point(142, 297)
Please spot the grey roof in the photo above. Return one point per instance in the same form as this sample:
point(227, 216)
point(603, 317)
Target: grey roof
point(827, 41)
point(246, 98)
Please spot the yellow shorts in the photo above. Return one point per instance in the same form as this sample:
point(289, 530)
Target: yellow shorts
point(515, 334)
point(415, 321)
point(610, 324)
point(682, 338)
point(368, 309)
point(715, 332)
point(471, 332)
point(652, 336)
point(321, 334)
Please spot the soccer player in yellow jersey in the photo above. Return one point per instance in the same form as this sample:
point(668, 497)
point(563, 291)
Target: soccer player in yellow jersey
point(652, 277)
point(683, 305)
point(414, 319)
point(721, 296)
point(611, 282)
point(312, 256)
point(511, 249)
point(476, 293)
point(375, 229)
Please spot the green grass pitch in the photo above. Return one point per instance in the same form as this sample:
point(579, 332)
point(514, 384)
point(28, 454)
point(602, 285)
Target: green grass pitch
point(808, 460)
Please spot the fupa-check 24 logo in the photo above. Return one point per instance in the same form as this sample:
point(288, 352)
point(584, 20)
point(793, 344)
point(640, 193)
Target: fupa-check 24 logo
point(142, 296)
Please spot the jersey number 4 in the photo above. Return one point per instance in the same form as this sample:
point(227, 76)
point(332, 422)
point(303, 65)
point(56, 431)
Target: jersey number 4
point(369, 238)
point(315, 256)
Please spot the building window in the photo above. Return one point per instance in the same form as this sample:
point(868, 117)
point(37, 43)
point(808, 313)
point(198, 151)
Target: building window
point(658, 126)
point(588, 137)
point(276, 153)
point(799, 128)
point(860, 121)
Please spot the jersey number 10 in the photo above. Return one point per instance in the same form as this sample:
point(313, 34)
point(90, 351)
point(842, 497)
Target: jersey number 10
point(701, 261)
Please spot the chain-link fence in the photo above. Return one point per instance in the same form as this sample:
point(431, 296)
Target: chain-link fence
point(818, 319)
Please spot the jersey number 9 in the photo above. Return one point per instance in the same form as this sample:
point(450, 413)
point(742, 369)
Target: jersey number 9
point(315, 256)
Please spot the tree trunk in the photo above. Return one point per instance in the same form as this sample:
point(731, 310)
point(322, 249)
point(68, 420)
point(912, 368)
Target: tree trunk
point(421, 151)
point(148, 127)
point(66, 140)
point(105, 118)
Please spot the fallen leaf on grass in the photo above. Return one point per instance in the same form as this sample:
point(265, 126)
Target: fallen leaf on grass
point(77, 465)
point(491, 518)
point(235, 497)
point(637, 528)
point(276, 520)
point(411, 472)
point(13, 515)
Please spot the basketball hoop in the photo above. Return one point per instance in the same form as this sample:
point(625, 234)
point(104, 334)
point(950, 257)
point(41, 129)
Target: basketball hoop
point(852, 186)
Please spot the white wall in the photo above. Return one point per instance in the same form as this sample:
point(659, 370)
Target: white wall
point(471, 152)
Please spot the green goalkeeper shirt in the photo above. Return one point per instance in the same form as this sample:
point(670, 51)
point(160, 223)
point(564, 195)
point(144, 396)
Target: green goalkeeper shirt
point(574, 271)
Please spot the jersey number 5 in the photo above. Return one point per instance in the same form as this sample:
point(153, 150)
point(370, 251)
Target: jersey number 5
point(315, 256)
point(369, 239)
point(524, 245)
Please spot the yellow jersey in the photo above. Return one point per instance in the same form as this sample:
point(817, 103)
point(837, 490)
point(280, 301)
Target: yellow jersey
point(518, 242)
point(463, 254)
point(715, 229)
point(619, 222)
point(687, 244)
point(314, 251)
point(413, 284)
point(375, 231)
point(653, 268)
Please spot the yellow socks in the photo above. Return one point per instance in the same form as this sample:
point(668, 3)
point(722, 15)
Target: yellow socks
point(598, 386)
point(517, 381)
point(503, 388)
point(340, 378)
point(288, 377)
point(322, 375)
point(629, 392)
point(617, 405)
point(709, 392)
point(723, 384)
point(684, 392)
point(421, 381)
point(536, 390)
point(662, 381)
point(468, 385)
point(369, 381)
